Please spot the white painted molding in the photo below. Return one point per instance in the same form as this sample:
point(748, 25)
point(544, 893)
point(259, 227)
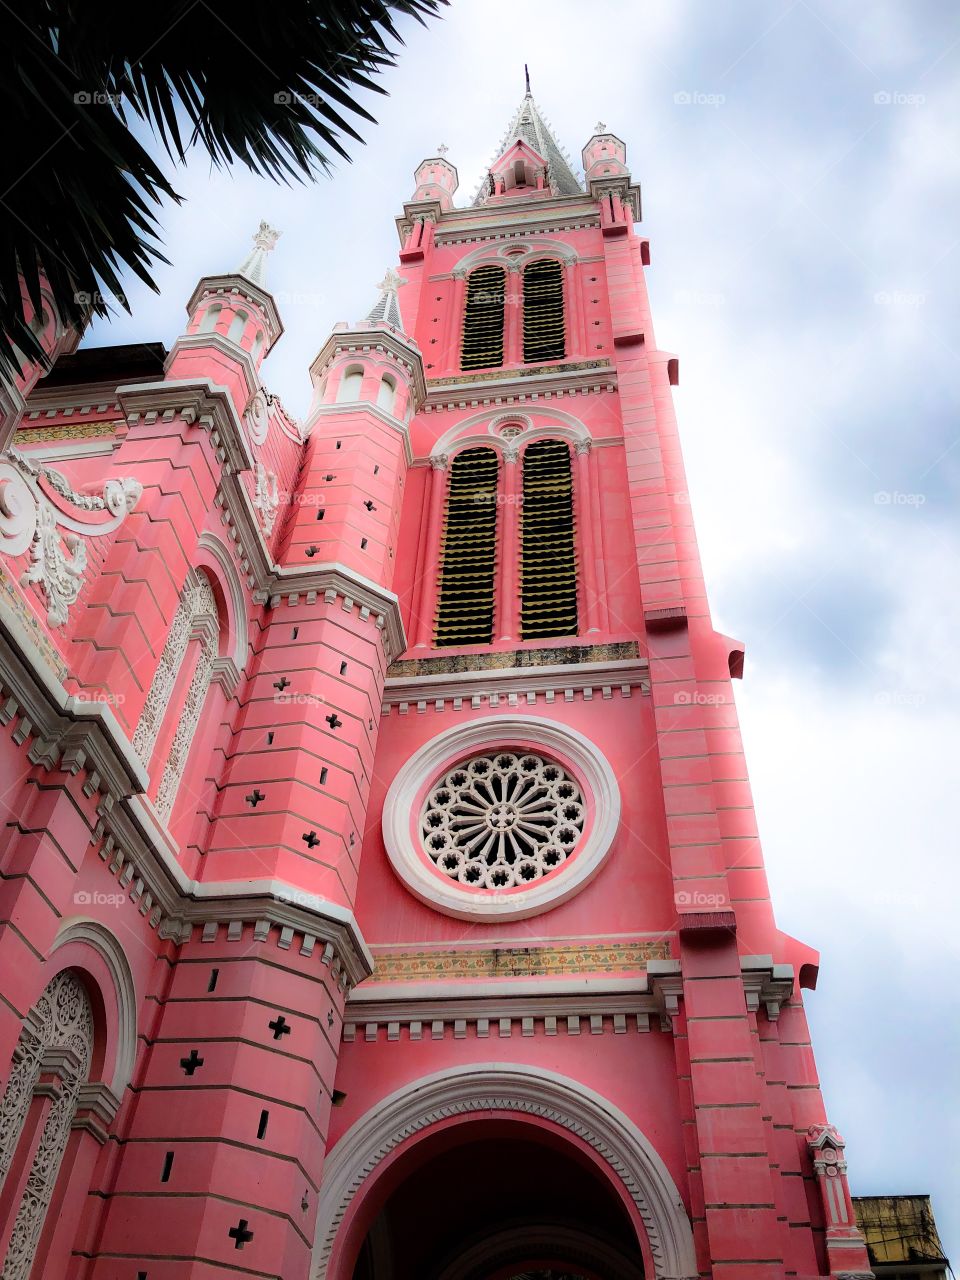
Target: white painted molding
point(234, 588)
point(513, 685)
point(198, 401)
point(510, 1087)
point(105, 943)
point(401, 823)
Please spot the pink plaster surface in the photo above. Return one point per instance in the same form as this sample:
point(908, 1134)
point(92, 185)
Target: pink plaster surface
point(725, 1095)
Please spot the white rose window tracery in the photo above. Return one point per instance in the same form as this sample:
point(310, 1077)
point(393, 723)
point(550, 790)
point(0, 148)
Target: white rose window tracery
point(502, 820)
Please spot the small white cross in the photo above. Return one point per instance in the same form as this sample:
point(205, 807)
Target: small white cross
point(599, 127)
point(442, 149)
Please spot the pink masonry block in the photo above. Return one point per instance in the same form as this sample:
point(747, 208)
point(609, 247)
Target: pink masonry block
point(286, 1010)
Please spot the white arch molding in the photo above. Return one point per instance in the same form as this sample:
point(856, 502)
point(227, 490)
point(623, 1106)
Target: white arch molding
point(510, 1087)
point(232, 587)
point(99, 937)
point(500, 733)
point(483, 429)
point(505, 255)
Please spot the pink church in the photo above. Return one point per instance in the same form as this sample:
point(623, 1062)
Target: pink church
point(381, 891)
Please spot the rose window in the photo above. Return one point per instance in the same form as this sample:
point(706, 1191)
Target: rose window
point(496, 821)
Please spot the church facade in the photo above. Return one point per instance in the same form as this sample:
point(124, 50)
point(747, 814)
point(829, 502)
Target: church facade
point(380, 889)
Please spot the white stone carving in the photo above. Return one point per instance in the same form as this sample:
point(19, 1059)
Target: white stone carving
point(196, 601)
point(266, 498)
point(257, 417)
point(28, 519)
point(186, 728)
point(61, 1020)
point(501, 820)
point(413, 794)
point(60, 575)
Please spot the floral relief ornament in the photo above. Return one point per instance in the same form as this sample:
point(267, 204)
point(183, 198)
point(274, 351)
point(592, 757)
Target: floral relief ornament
point(29, 520)
point(266, 497)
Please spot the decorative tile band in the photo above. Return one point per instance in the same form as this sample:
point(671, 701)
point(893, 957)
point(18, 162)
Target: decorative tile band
point(526, 372)
point(76, 431)
point(517, 962)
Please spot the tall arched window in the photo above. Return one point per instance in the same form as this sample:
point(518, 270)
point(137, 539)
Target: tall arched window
point(387, 392)
point(483, 319)
point(61, 1019)
point(210, 318)
point(548, 567)
point(543, 325)
point(197, 617)
point(350, 383)
point(468, 562)
point(237, 326)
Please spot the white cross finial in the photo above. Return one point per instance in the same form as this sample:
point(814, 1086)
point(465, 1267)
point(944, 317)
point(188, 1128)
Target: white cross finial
point(442, 149)
point(599, 127)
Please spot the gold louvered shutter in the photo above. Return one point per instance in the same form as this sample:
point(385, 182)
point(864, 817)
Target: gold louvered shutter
point(548, 562)
point(482, 346)
point(468, 562)
point(543, 332)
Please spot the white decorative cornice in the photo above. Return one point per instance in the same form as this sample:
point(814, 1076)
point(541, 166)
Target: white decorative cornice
point(511, 386)
point(619, 185)
point(198, 401)
point(221, 343)
point(377, 336)
point(505, 1008)
point(515, 686)
point(350, 408)
point(767, 984)
point(240, 286)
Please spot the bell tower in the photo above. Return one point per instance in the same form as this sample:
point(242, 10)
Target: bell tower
point(561, 878)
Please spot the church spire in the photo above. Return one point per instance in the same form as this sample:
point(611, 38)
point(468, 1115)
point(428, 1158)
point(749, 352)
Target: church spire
point(530, 127)
point(254, 265)
point(386, 310)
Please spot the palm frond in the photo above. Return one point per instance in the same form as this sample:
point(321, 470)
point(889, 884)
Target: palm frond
point(272, 87)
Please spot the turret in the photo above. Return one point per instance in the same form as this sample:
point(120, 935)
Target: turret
point(234, 321)
point(368, 382)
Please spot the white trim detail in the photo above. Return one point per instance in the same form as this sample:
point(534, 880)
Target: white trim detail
point(497, 1086)
point(98, 936)
point(499, 733)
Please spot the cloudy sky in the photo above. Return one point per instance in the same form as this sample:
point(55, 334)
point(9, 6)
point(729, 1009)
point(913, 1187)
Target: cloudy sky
point(799, 163)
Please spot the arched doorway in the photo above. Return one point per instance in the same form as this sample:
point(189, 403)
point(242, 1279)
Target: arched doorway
point(426, 1134)
point(498, 1199)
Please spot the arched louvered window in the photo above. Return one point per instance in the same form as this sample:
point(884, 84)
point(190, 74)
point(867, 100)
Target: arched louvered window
point(543, 334)
point(483, 319)
point(548, 566)
point(468, 564)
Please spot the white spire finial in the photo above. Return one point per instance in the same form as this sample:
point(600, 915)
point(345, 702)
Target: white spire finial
point(387, 307)
point(254, 266)
point(599, 127)
point(442, 150)
point(392, 280)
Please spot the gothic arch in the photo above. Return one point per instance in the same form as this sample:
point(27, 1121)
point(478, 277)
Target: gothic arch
point(215, 557)
point(505, 255)
point(482, 428)
point(57, 1039)
point(122, 1049)
point(569, 1244)
point(510, 1087)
